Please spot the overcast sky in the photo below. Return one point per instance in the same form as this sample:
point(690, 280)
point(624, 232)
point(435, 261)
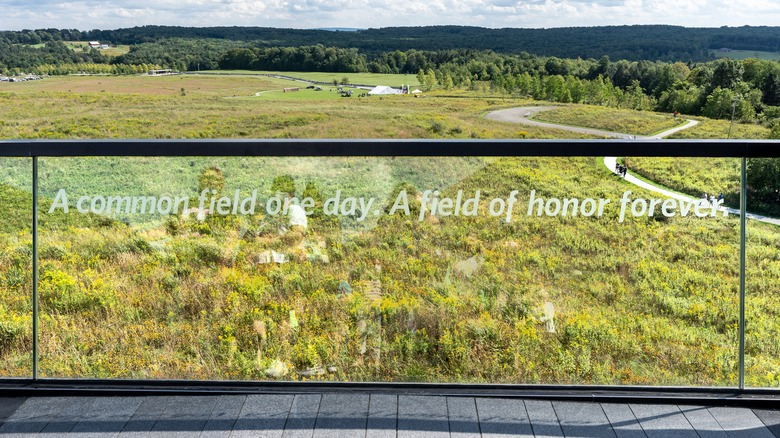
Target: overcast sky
point(304, 14)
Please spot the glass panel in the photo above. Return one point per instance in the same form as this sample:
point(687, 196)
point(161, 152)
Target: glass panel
point(688, 280)
point(15, 267)
point(440, 269)
point(762, 350)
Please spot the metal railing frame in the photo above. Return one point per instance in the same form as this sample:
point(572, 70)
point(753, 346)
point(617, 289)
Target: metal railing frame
point(742, 149)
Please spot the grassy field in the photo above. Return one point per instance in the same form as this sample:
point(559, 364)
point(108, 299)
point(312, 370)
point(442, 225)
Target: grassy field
point(452, 299)
point(194, 106)
point(610, 119)
point(392, 80)
point(81, 46)
point(745, 54)
point(649, 301)
point(721, 130)
point(692, 176)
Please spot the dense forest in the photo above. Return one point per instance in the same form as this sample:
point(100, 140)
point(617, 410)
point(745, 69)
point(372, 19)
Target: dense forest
point(633, 43)
point(665, 43)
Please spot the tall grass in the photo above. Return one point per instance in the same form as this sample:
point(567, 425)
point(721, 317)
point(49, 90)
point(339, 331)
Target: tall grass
point(451, 299)
point(611, 119)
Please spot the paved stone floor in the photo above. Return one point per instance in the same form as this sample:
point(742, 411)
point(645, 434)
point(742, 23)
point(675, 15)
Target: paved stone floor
point(340, 414)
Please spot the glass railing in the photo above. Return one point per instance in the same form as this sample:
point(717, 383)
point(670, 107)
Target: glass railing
point(451, 262)
point(16, 267)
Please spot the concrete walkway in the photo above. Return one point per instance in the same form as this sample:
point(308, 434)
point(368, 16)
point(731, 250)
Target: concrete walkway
point(610, 162)
point(523, 116)
point(371, 415)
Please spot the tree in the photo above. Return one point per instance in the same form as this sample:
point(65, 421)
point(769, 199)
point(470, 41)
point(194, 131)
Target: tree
point(421, 78)
point(763, 180)
point(684, 98)
point(575, 88)
point(636, 98)
point(427, 79)
point(670, 75)
point(719, 104)
point(771, 89)
point(595, 91)
point(555, 88)
point(774, 130)
point(722, 102)
point(726, 74)
point(448, 84)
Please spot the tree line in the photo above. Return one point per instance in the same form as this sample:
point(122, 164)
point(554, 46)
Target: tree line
point(749, 89)
point(16, 58)
point(634, 43)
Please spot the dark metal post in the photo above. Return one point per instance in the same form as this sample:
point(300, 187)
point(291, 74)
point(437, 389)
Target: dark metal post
point(733, 109)
point(742, 273)
point(35, 267)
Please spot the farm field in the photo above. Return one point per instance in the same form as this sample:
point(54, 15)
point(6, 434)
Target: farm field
point(745, 54)
point(116, 50)
point(392, 80)
point(379, 296)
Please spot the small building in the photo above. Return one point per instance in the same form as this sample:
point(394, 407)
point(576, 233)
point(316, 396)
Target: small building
point(94, 44)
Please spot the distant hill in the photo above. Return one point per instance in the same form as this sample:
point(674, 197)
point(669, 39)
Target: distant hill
point(649, 42)
point(340, 29)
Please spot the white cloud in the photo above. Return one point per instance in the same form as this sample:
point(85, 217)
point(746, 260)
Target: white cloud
point(93, 14)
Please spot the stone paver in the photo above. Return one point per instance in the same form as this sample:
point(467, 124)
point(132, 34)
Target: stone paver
point(342, 415)
point(379, 415)
point(421, 416)
point(382, 416)
point(583, 420)
point(500, 418)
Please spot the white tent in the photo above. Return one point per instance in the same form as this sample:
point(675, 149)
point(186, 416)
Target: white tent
point(384, 89)
point(416, 91)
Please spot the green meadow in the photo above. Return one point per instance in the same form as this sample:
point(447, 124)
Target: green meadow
point(392, 80)
point(113, 51)
point(572, 298)
point(746, 54)
point(611, 119)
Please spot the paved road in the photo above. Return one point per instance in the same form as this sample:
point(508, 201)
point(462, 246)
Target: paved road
point(522, 115)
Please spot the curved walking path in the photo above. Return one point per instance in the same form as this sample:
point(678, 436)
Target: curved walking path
point(610, 162)
point(523, 116)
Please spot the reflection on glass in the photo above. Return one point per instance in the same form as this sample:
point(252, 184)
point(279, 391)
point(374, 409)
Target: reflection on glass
point(763, 273)
point(16, 267)
point(518, 270)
